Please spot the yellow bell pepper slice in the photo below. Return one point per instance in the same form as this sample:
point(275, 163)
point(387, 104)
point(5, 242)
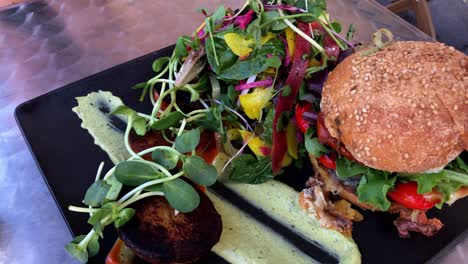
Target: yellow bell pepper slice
point(270, 70)
point(254, 102)
point(266, 38)
point(255, 142)
point(287, 160)
point(291, 39)
point(291, 140)
point(238, 44)
point(314, 63)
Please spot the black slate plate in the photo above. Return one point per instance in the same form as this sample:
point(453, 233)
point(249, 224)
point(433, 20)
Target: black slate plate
point(68, 159)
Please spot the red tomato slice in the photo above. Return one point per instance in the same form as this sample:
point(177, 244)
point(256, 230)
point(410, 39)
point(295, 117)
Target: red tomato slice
point(407, 195)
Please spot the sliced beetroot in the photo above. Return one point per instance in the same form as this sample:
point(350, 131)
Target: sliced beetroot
point(286, 103)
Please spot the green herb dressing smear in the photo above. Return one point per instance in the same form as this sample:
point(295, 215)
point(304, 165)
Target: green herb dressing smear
point(244, 239)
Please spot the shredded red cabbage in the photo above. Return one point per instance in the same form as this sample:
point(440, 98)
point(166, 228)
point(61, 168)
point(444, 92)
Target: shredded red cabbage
point(315, 84)
point(244, 20)
point(266, 83)
point(309, 116)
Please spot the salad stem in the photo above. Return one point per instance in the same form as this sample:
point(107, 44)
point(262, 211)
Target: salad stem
point(139, 197)
point(299, 32)
point(147, 184)
point(246, 4)
point(127, 134)
point(332, 35)
point(82, 209)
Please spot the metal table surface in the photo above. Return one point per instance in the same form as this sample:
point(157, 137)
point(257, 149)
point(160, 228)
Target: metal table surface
point(47, 44)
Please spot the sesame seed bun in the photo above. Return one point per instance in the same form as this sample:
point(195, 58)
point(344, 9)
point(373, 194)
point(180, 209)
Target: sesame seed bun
point(401, 109)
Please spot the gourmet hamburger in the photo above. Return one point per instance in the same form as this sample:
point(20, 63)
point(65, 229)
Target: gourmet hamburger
point(395, 120)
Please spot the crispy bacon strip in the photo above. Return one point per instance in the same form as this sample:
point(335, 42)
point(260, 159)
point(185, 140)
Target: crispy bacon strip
point(414, 221)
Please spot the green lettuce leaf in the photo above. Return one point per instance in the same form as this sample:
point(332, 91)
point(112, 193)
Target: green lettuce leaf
point(373, 188)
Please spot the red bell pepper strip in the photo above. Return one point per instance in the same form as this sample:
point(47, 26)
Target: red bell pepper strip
point(302, 108)
point(286, 103)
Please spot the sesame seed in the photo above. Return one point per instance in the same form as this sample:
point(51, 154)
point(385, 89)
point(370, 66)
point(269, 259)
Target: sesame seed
point(350, 116)
point(359, 155)
point(357, 117)
point(374, 159)
point(405, 155)
point(429, 123)
point(353, 91)
point(455, 107)
point(389, 136)
point(410, 121)
point(364, 110)
point(366, 148)
point(435, 112)
point(358, 123)
point(423, 106)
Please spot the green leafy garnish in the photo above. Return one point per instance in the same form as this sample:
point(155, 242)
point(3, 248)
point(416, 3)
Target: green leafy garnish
point(123, 217)
point(159, 63)
point(138, 123)
point(96, 193)
point(134, 173)
point(181, 195)
point(196, 169)
point(188, 141)
point(166, 158)
point(247, 169)
point(168, 121)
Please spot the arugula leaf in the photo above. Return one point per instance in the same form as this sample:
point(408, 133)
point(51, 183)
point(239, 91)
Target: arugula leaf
point(196, 169)
point(181, 195)
point(247, 169)
point(168, 120)
point(346, 168)
point(159, 63)
point(123, 217)
point(96, 193)
point(373, 188)
point(254, 64)
point(166, 158)
point(187, 141)
point(134, 173)
point(271, 22)
point(97, 227)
